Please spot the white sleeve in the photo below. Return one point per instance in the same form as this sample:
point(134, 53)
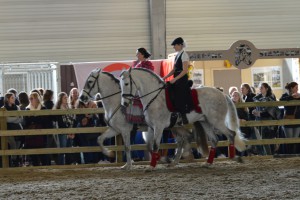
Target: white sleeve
point(185, 57)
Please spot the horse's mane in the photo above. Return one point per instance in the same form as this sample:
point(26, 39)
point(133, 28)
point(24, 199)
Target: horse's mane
point(152, 73)
point(112, 77)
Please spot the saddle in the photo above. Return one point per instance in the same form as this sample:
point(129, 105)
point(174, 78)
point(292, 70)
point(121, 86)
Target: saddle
point(194, 96)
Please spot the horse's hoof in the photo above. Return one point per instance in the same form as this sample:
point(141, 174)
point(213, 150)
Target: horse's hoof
point(171, 165)
point(111, 154)
point(189, 158)
point(165, 159)
point(150, 169)
point(207, 165)
point(126, 167)
point(238, 159)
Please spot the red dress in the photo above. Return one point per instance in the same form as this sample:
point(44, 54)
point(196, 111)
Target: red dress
point(134, 113)
point(144, 64)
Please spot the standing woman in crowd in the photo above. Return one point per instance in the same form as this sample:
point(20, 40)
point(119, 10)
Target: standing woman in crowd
point(15, 92)
point(248, 96)
point(243, 113)
point(179, 84)
point(73, 97)
point(24, 100)
point(13, 123)
point(48, 104)
point(291, 131)
point(90, 139)
point(36, 122)
point(266, 113)
point(63, 121)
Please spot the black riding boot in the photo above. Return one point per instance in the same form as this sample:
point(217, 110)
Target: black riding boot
point(184, 118)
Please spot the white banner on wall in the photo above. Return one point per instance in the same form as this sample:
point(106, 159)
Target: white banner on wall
point(197, 78)
point(271, 75)
point(82, 70)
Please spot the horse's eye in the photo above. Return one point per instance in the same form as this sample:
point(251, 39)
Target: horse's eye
point(126, 84)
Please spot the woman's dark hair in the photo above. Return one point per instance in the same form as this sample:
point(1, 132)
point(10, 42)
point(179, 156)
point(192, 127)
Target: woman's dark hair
point(269, 89)
point(7, 97)
point(48, 94)
point(290, 86)
point(248, 87)
point(23, 98)
point(144, 52)
point(59, 99)
point(42, 91)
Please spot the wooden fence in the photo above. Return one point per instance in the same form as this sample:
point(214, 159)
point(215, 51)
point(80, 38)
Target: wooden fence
point(4, 133)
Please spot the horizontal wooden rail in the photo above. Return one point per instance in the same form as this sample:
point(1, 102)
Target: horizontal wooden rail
point(268, 104)
point(4, 113)
point(137, 147)
point(52, 131)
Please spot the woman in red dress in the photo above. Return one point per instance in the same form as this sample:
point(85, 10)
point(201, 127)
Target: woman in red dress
point(134, 112)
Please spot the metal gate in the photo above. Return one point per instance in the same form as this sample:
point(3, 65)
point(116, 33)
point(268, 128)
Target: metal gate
point(29, 76)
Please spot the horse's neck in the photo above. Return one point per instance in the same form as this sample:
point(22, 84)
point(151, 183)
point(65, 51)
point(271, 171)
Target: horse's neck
point(109, 87)
point(149, 84)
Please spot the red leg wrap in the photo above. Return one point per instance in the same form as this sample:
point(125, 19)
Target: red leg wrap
point(154, 158)
point(211, 156)
point(231, 151)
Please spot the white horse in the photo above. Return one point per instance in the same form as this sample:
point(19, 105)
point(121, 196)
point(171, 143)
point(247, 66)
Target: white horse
point(108, 87)
point(218, 112)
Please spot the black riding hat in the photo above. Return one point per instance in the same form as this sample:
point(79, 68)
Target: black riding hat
point(178, 40)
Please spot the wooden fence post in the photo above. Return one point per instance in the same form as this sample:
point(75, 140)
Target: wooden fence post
point(4, 144)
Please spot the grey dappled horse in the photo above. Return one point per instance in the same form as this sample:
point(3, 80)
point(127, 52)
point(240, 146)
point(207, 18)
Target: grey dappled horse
point(108, 87)
point(218, 115)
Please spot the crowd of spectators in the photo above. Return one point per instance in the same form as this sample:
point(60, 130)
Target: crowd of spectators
point(42, 99)
point(265, 94)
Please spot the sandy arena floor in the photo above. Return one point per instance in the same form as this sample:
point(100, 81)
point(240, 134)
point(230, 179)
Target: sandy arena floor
point(256, 178)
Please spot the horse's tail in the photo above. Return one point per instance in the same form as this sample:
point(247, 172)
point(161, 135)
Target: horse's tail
point(200, 138)
point(233, 123)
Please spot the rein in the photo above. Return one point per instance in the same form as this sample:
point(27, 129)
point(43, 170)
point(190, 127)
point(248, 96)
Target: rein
point(115, 111)
point(132, 96)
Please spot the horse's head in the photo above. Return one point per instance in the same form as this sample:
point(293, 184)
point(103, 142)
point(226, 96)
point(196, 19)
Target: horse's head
point(91, 87)
point(128, 87)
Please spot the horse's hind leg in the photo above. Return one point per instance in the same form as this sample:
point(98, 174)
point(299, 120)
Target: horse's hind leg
point(214, 141)
point(230, 134)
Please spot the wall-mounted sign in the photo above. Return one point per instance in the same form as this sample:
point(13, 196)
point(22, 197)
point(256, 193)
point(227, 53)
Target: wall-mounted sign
point(243, 54)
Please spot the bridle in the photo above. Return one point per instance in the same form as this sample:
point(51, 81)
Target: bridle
point(131, 96)
point(98, 88)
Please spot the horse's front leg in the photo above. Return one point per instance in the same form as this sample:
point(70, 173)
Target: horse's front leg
point(155, 154)
point(109, 133)
point(126, 139)
point(149, 140)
